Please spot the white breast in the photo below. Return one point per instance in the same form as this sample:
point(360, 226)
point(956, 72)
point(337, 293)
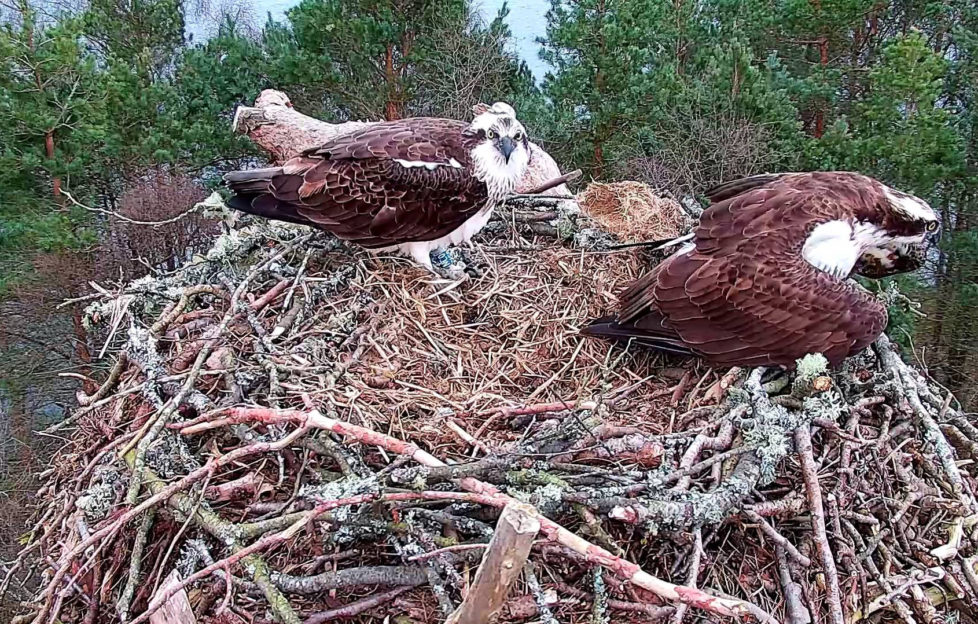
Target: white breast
point(831, 248)
point(499, 176)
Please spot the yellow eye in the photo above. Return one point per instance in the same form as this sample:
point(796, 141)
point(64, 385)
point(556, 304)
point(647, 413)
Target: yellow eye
point(932, 226)
point(518, 136)
point(490, 134)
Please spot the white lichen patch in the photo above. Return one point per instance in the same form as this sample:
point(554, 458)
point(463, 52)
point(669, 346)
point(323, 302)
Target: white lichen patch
point(592, 238)
point(827, 405)
point(169, 457)
point(98, 500)
point(193, 556)
point(547, 499)
point(338, 490)
point(227, 246)
point(142, 349)
point(599, 610)
point(811, 366)
point(771, 444)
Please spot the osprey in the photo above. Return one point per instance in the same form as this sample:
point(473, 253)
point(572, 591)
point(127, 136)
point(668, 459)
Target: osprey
point(413, 185)
point(763, 280)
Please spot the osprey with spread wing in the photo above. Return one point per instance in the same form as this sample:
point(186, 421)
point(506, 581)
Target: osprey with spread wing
point(764, 279)
point(412, 185)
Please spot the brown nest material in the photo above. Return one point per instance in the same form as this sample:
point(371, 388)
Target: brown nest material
point(633, 212)
point(290, 430)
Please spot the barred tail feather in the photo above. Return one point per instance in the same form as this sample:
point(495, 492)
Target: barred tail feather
point(610, 329)
point(251, 195)
point(265, 205)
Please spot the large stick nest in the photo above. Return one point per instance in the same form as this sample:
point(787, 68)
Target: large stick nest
point(831, 494)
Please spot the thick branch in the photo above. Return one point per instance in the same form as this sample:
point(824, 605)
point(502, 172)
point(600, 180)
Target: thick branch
point(803, 442)
point(501, 565)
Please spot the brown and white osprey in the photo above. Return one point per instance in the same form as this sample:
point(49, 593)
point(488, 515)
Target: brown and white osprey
point(763, 280)
point(413, 185)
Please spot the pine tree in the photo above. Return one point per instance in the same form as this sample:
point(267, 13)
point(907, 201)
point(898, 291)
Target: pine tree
point(48, 101)
point(653, 90)
point(601, 52)
point(50, 123)
point(356, 59)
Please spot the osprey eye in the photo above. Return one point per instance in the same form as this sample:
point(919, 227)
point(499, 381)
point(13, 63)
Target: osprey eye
point(490, 134)
point(518, 136)
point(932, 226)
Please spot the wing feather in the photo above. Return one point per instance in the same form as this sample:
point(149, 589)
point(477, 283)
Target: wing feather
point(385, 184)
point(744, 295)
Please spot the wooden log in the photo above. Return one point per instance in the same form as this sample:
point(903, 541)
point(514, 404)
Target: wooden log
point(177, 609)
point(284, 132)
point(501, 565)
point(281, 130)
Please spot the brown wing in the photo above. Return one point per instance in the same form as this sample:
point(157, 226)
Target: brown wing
point(388, 183)
point(744, 295)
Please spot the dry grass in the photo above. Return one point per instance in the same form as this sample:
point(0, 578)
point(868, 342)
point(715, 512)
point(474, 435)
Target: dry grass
point(506, 339)
point(633, 211)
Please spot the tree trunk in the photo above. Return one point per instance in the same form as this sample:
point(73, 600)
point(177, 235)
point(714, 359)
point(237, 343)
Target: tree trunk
point(823, 60)
point(598, 172)
point(392, 108)
point(49, 151)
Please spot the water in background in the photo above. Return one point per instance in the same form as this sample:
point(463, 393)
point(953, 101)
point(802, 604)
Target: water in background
point(527, 19)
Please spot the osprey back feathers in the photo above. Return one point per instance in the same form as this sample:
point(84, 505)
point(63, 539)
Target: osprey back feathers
point(412, 185)
point(764, 279)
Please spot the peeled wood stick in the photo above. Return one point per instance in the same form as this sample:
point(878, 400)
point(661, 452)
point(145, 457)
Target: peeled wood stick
point(177, 609)
point(594, 554)
point(554, 182)
point(501, 564)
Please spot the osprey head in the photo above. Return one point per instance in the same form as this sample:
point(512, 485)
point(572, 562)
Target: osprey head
point(898, 238)
point(502, 149)
point(883, 238)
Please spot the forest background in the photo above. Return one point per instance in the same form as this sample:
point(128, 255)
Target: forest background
point(125, 106)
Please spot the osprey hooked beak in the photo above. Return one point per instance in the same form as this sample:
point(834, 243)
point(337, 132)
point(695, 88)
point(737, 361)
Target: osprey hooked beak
point(506, 146)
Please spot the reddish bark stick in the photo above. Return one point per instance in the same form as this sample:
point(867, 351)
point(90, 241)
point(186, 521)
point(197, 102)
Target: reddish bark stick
point(803, 444)
point(195, 476)
point(357, 607)
point(553, 531)
point(283, 536)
